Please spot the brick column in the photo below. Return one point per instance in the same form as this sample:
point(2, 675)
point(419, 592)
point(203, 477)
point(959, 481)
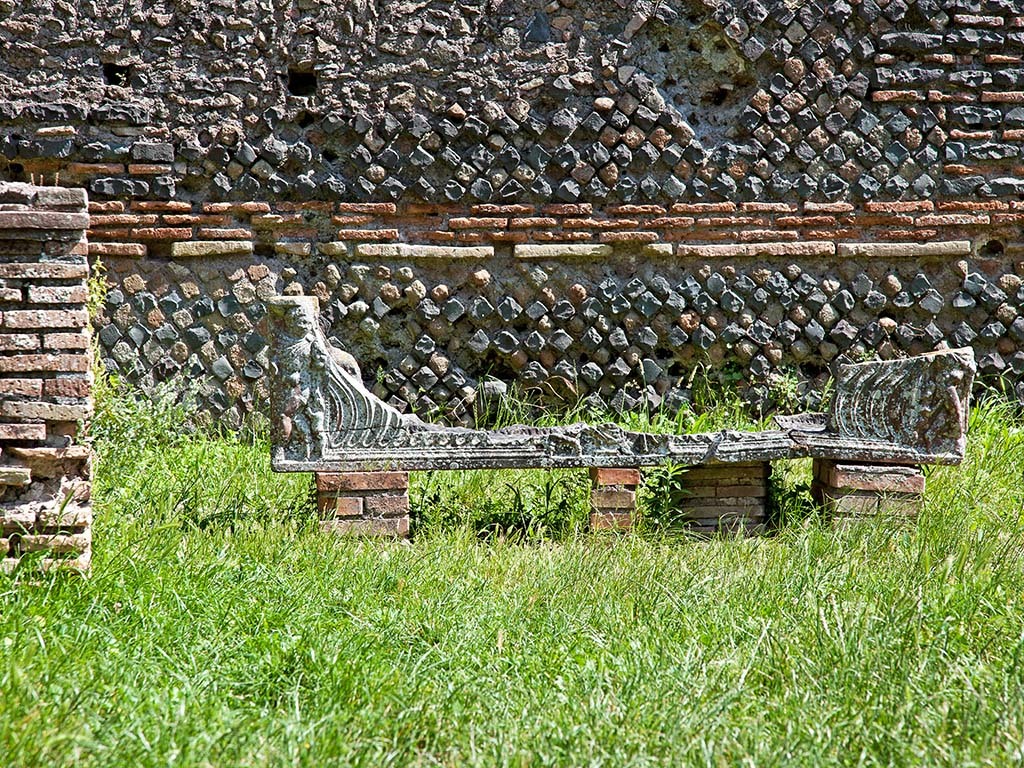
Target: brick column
point(726, 498)
point(852, 491)
point(364, 503)
point(45, 377)
point(612, 498)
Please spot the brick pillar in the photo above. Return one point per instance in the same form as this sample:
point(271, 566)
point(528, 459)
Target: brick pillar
point(726, 498)
point(612, 498)
point(364, 503)
point(45, 378)
point(853, 491)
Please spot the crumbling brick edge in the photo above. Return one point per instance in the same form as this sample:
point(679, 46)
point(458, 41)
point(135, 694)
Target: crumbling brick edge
point(45, 379)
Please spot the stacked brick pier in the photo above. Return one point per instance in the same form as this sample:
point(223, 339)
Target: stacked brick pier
point(726, 498)
point(45, 377)
point(849, 492)
point(717, 498)
point(613, 498)
point(364, 503)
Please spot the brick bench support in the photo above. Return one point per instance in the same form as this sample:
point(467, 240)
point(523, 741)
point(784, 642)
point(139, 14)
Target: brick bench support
point(855, 491)
point(613, 498)
point(726, 498)
point(361, 447)
point(364, 503)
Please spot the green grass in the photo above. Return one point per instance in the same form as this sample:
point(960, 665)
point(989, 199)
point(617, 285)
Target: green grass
point(220, 628)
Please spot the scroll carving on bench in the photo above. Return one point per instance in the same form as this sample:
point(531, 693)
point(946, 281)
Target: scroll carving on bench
point(906, 411)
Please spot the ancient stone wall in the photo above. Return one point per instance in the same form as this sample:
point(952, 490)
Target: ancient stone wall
point(45, 377)
point(596, 199)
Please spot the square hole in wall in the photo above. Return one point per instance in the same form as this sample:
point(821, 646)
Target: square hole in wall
point(301, 83)
point(117, 74)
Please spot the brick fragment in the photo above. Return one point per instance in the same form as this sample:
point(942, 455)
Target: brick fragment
point(19, 342)
point(250, 208)
point(614, 476)
point(67, 387)
point(973, 205)
point(952, 219)
point(63, 341)
point(529, 222)
point(57, 294)
point(489, 209)
point(1006, 97)
point(147, 169)
point(378, 208)
point(43, 411)
point(94, 169)
point(106, 206)
point(386, 505)
point(602, 498)
point(45, 318)
point(634, 210)
point(352, 220)
point(221, 233)
point(119, 250)
point(367, 234)
point(897, 96)
point(477, 222)
point(162, 233)
point(122, 220)
point(703, 208)
point(161, 206)
point(22, 431)
point(908, 206)
point(628, 237)
point(892, 479)
point(361, 481)
point(340, 506)
point(568, 209)
point(44, 363)
point(21, 387)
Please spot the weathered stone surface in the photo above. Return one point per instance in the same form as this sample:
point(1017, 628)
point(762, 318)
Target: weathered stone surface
point(910, 410)
point(920, 401)
point(405, 251)
point(905, 250)
point(562, 251)
point(16, 220)
point(195, 248)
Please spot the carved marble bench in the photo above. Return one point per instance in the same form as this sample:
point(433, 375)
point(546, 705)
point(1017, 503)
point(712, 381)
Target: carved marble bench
point(887, 419)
